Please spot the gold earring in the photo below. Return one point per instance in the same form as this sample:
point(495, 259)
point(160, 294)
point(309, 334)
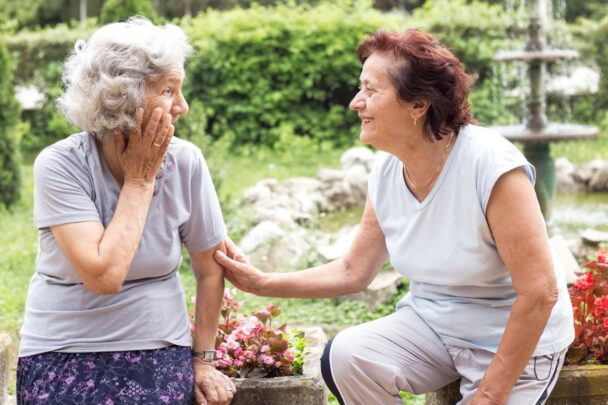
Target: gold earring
point(415, 121)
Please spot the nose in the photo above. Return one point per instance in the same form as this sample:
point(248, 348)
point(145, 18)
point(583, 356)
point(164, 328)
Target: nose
point(357, 103)
point(181, 106)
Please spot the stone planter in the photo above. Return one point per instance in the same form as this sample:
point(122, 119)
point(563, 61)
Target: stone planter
point(576, 385)
point(305, 389)
point(5, 344)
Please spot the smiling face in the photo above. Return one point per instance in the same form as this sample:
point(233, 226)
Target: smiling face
point(385, 119)
point(166, 94)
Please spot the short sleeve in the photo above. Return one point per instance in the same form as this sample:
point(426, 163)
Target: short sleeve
point(496, 159)
point(205, 226)
point(62, 190)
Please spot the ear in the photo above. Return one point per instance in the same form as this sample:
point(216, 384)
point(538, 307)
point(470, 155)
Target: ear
point(420, 108)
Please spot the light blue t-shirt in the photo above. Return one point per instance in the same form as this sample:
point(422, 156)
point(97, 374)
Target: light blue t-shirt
point(459, 284)
point(72, 183)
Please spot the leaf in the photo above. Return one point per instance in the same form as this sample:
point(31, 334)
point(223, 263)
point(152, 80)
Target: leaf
point(278, 345)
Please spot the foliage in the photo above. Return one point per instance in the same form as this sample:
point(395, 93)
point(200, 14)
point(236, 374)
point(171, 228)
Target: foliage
point(10, 180)
point(263, 72)
point(121, 10)
point(250, 346)
point(589, 295)
point(46, 124)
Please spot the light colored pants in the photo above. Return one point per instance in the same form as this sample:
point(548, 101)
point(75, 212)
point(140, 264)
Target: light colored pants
point(370, 363)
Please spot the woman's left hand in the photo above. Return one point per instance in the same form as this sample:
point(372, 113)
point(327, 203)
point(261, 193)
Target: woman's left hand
point(211, 387)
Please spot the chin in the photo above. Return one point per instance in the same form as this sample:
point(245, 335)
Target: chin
point(366, 139)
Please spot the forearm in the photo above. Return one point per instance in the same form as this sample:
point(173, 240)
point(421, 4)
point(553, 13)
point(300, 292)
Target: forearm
point(209, 296)
point(329, 280)
point(121, 238)
point(524, 328)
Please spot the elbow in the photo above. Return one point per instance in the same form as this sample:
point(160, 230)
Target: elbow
point(105, 282)
point(356, 281)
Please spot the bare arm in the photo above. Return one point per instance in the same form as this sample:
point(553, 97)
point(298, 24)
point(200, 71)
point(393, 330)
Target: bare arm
point(349, 274)
point(519, 231)
point(212, 387)
point(102, 257)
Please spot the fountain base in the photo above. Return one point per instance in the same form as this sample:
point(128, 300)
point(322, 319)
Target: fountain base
point(550, 133)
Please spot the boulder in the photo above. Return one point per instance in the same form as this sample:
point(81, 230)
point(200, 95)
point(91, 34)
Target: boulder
point(381, 290)
point(340, 246)
point(264, 233)
point(599, 179)
point(564, 173)
point(357, 156)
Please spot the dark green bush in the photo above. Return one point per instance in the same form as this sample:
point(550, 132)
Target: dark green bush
point(263, 71)
point(10, 180)
point(121, 10)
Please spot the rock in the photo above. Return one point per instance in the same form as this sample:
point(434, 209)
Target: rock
point(340, 246)
point(263, 233)
point(599, 179)
point(305, 389)
point(381, 289)
point(583, 173)
point(356, 176)
point(565, 259)
point(564, 173)
point(330, 175)
point(262, 191)
point(593, 237)
point(282, 217)
point(357, 156)
point(5, 346)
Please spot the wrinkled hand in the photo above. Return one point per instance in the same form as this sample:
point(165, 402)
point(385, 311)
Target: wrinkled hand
point(238, 270)
point(211, 387)
point(142, 152)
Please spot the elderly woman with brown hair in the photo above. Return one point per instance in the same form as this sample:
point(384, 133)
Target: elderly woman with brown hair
point(106, 319)
point(452, 205)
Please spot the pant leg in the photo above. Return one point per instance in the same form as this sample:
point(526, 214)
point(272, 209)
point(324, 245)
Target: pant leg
point(533, 386)
point(371, 363)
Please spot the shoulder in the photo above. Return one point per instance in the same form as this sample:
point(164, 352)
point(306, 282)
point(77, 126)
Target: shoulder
point(184, 152)
point(481, 140)
point(69, 154)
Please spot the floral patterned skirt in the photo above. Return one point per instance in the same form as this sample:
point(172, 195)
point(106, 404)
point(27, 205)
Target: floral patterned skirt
point(161, 376)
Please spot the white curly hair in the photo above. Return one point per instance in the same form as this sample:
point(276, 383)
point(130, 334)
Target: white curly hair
point(105, 78)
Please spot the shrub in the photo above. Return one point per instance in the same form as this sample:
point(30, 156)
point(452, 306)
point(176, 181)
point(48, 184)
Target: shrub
point(589, 295)
point(263, 71)
point(10, 180)
point(121, 10)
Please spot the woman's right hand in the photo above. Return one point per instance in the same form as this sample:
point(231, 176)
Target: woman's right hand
point(142, 151)
point(238, 270)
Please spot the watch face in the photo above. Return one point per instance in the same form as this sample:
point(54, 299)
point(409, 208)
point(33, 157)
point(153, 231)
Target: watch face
point(209, 355)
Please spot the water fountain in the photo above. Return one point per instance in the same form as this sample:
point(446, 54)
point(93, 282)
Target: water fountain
point(536, 133)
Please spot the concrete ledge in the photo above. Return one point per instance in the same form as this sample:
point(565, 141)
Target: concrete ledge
point(576, 385)
point(5, 345)
point(305, 389)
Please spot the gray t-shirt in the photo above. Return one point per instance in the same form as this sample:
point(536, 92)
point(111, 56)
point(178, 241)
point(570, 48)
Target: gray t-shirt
point(459, 283)
point(72, 183)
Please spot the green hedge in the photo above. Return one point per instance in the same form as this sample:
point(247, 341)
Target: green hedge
point(10, 180)
point(262, 72)
point(121, 10)
point(266, 74)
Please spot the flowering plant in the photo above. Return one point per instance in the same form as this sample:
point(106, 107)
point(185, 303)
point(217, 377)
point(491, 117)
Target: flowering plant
point(589, 295)
point(250, 346)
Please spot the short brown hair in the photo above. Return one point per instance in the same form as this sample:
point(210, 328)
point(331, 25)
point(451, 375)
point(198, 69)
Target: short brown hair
point(429, 72)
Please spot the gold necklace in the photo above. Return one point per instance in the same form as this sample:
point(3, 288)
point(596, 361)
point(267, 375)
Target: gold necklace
point(441, 162)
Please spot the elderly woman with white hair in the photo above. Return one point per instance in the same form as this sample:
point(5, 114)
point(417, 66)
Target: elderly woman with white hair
point(106, 319)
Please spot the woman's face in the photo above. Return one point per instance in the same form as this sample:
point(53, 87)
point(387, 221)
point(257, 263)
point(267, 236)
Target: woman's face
point(384, 117)
point(166, 94)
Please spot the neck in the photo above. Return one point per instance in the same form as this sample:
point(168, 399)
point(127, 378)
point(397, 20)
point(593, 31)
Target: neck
point(111, 156)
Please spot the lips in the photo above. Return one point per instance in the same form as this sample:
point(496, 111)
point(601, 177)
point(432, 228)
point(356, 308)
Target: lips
point(365, 120)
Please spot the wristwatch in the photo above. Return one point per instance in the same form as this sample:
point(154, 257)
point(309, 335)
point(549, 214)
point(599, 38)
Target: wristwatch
point(205, 355)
